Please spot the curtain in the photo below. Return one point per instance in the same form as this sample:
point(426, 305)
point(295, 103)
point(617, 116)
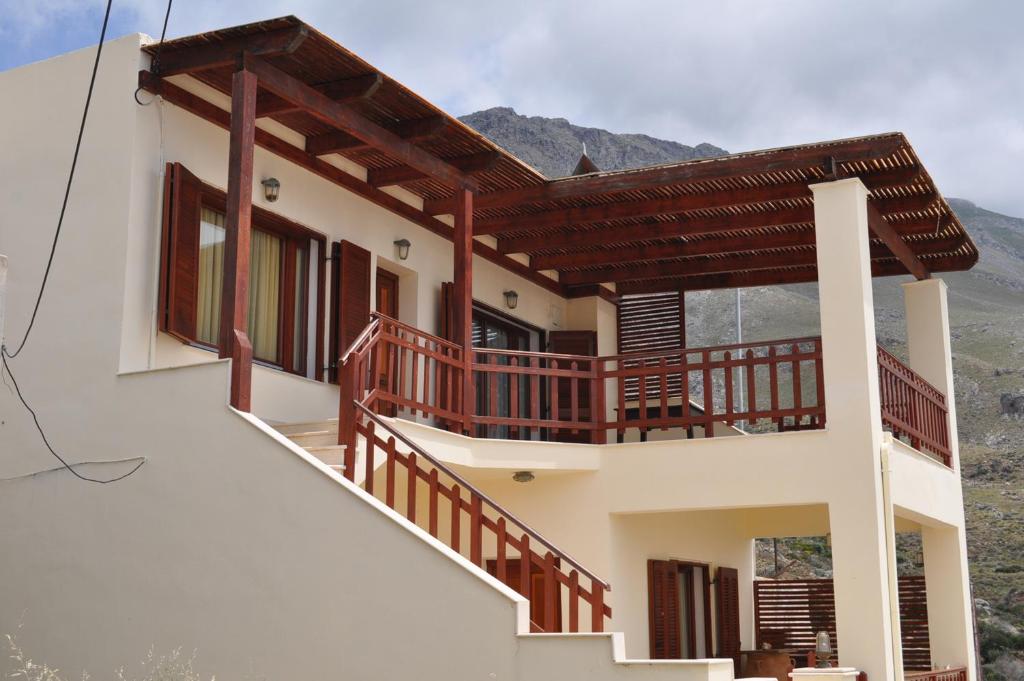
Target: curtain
point(211, 276)
point(264, 294)
point(264, 286)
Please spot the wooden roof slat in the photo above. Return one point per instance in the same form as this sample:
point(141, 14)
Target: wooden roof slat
point(792, 158)
point(410, 130)
point(897, 246)
point(470, 163)
point(341, 91)
point(348, 121)
point(226, 53)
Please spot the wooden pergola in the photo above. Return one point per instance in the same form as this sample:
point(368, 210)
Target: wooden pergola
point(733, 221)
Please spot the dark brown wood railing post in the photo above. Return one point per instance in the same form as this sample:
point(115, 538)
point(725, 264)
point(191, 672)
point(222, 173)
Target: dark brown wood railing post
point(234, 316)
point(464, 298)
point(597, 403)
point(347, 405)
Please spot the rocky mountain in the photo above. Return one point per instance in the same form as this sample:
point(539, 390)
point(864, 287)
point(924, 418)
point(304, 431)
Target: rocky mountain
point(987, 326)
point(553, 145)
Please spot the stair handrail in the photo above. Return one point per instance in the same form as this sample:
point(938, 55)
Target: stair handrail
point(420, 452)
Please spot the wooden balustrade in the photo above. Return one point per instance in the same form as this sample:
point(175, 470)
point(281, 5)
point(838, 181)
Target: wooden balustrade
point(951, 674)
point(411, 481)
point(912, 408)
point(396, 369)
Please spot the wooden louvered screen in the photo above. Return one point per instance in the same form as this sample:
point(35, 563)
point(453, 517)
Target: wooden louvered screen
point(663, 609)
point(788, 614)
point(917, 653)
point(727, 612)
point(649, 324)
point(179, 264)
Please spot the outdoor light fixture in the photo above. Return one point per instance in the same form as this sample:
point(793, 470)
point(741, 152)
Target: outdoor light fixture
point(271, 188)
point(403, 248)
point(523, 476)
point(823, 649)
point(511, 299)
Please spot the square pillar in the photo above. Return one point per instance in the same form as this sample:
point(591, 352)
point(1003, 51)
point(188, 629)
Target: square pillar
point(463, 284)
point(948, 590)
point(950, 607)
point(929, 345)
point(861, 564)
point(234, 315)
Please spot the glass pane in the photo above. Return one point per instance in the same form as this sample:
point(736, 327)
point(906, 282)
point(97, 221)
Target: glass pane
point(264, 294)
point(211, 275)
point(298, 333)
point(264, 286)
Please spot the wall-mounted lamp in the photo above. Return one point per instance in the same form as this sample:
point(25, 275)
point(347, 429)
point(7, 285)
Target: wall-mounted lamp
point(511, 299)
point(271, 188)
point(523, 476)
point(403, 248)
point(822, 649)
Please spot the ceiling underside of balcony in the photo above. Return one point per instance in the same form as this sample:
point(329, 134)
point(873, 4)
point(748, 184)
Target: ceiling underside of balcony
point(739, 220)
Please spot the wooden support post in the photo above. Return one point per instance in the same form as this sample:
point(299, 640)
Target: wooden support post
point(234, 340)
point(464, 299)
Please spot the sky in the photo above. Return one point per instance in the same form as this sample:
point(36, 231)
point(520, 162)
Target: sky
point(739, 74)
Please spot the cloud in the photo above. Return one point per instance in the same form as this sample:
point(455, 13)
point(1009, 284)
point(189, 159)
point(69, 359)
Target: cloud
point(741, 74)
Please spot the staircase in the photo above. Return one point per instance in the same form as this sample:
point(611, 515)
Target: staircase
point(319, 438)
point(409, 480)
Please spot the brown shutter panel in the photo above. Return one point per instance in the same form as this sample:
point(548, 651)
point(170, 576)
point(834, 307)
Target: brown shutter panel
point(648, 323)
point(727, 612)
point(353, 301)
point(446, 325)
point(179, 263)
point(663, 609)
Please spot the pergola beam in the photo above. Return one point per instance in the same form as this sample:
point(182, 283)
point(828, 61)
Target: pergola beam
point(343, 117)
point(470, 164)
point(341, 91)
point(731, 263)
point(884, 231)
point(780, 160)
point(686, 227)
point(192, 58)
point(412, 130)
point(567, 217)
point(730, 244)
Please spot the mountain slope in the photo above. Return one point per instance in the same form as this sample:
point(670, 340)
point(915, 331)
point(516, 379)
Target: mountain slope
point(986, 307)
point(553, 145)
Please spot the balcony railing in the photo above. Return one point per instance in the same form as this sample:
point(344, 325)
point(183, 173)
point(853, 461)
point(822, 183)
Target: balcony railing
point(912, 408)
point(951, 674)
point(774, 386)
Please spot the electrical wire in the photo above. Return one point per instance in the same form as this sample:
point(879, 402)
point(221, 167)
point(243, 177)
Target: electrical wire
point(154, 65)
point(67, 189)
point(46, 441)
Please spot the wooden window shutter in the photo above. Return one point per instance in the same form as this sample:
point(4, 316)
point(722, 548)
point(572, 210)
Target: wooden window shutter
point(651, 323)
point(353, 301)
point(446, 323)
point(179, 260)
point(727, 612)
point(663, 609)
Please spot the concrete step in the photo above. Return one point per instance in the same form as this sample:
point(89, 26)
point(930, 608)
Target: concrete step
point(333, 455)
point(315, 438)
point(330, 425)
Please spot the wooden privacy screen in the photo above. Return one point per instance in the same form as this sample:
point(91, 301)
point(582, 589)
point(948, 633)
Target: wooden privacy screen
point(788, 614)
point(649, 324)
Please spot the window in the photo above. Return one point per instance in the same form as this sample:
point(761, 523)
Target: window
point(284, 319)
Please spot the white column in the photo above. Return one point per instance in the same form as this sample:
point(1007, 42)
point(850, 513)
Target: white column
point(950, 612)
point(850, 365)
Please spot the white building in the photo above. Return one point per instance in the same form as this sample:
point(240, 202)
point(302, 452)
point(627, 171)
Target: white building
point(282, 546)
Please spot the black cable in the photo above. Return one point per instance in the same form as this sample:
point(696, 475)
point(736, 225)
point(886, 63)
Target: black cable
point(154, 65)
point(35, 418)
point(4, 354)
point(67, 189)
